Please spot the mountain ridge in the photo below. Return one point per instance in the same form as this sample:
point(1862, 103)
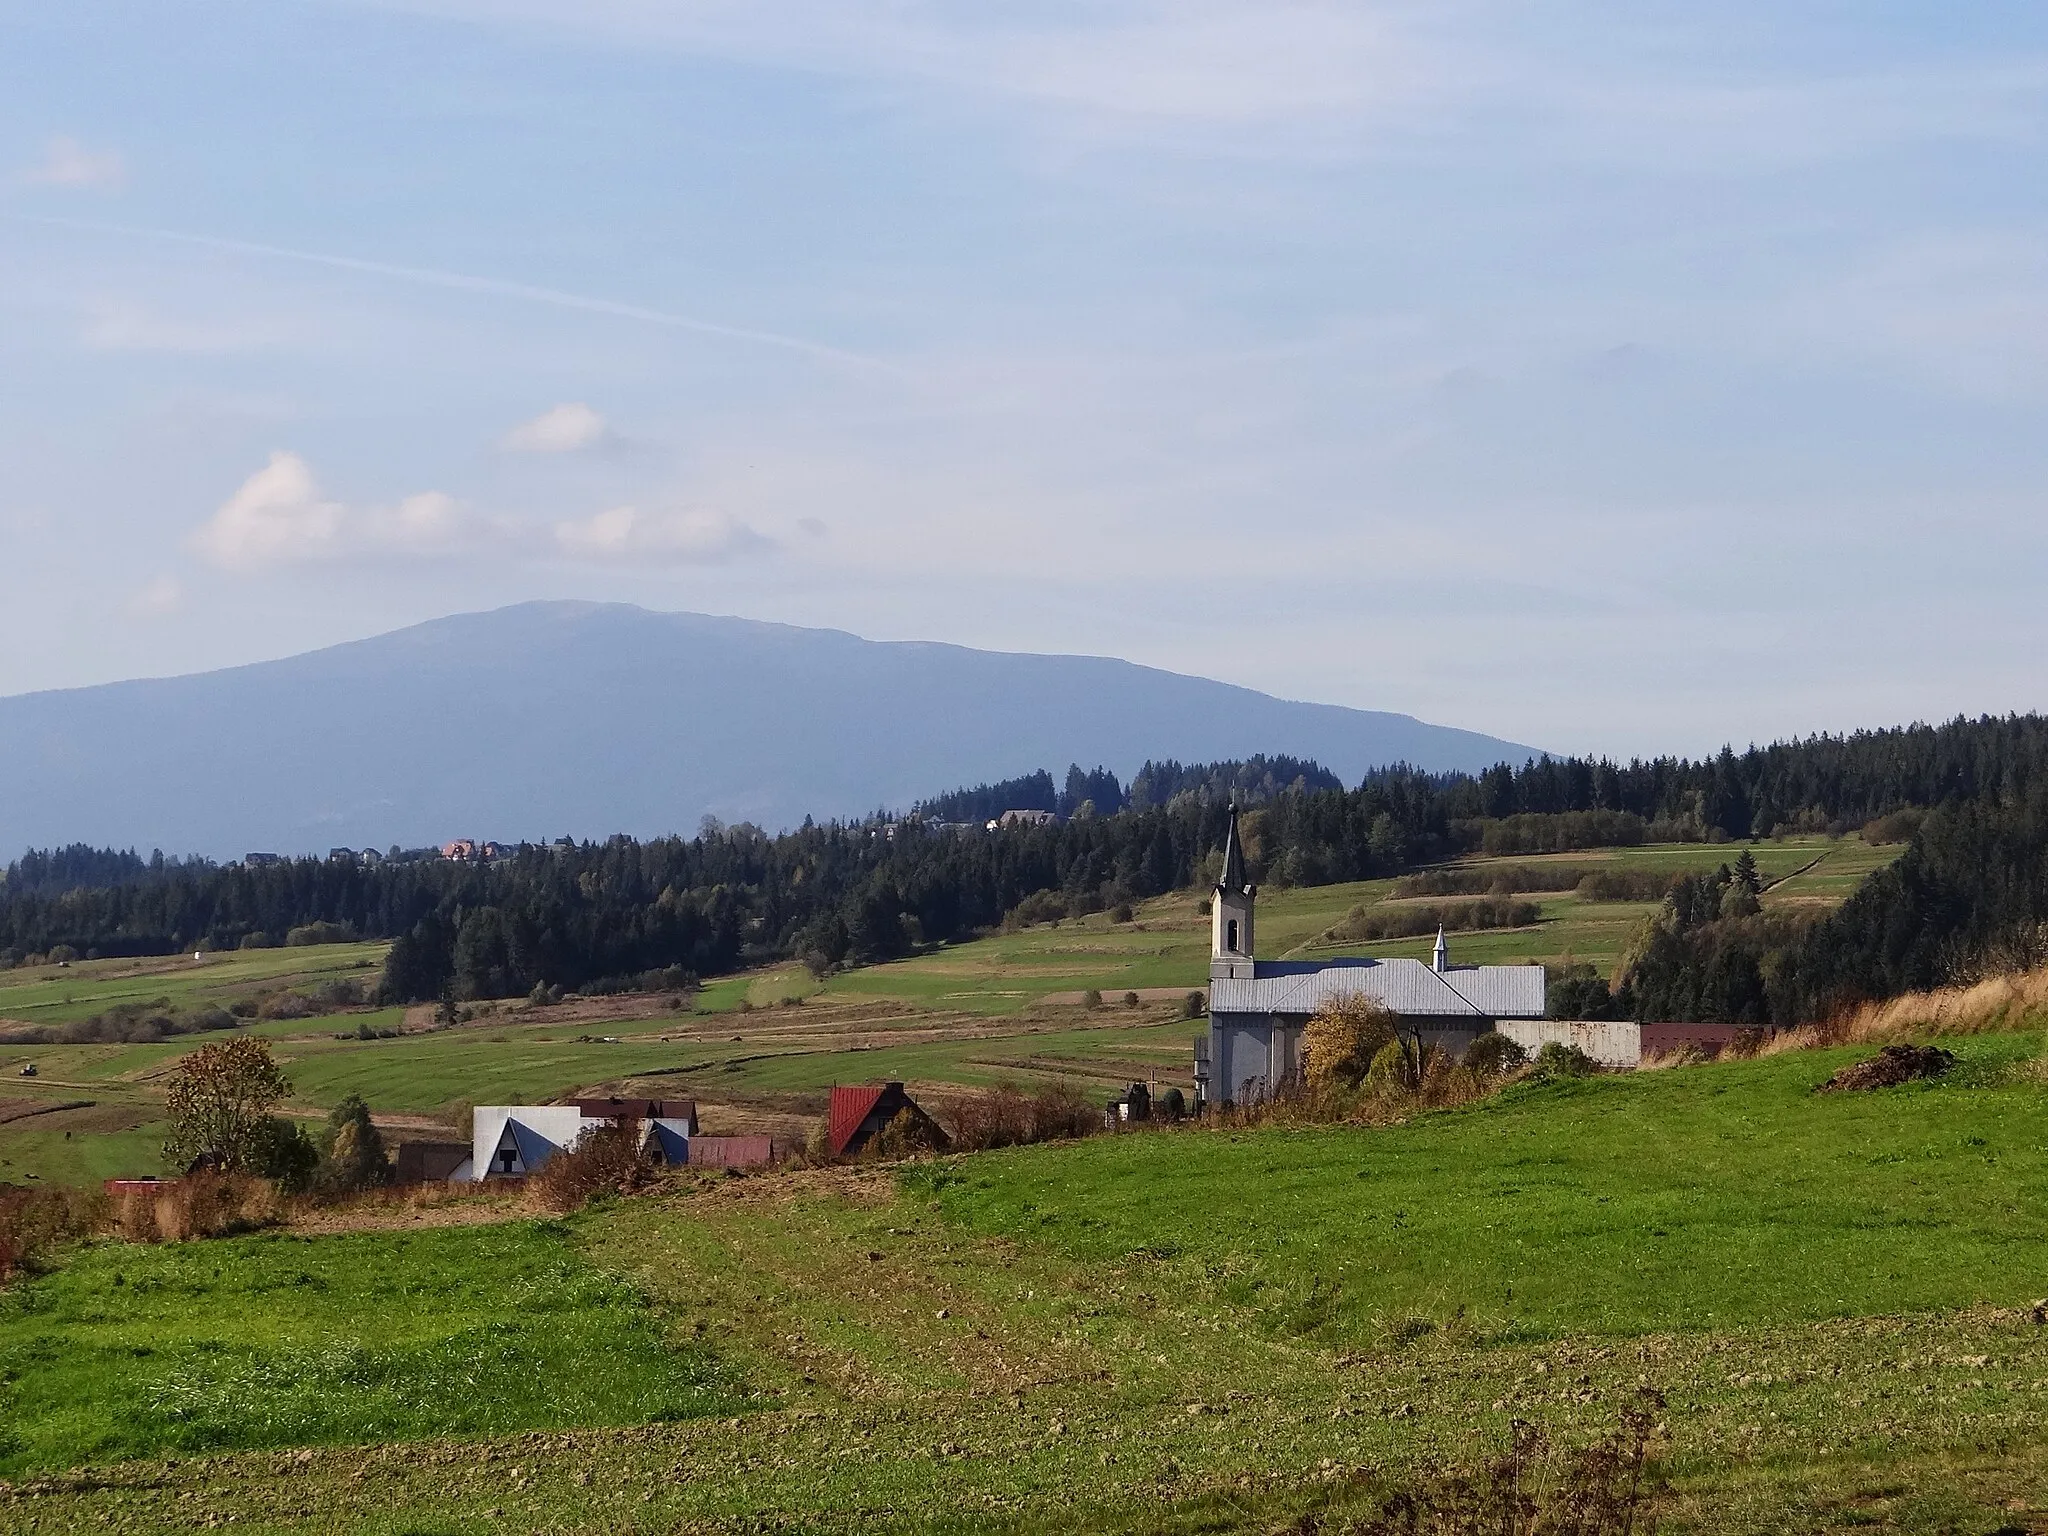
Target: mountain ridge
point(585, 718)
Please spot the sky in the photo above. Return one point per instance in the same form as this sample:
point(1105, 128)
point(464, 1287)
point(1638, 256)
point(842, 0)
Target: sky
point(1620, 378)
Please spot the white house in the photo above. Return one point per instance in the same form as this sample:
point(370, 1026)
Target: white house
point(1257, 1008)
point(509, 1141)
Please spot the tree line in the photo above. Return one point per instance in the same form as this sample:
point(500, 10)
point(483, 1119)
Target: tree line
point(624, 912)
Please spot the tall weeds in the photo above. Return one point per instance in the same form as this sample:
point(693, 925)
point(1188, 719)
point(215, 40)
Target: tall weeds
point(1996, 1003)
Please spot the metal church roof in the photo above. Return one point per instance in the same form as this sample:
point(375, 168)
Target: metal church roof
point(1406, 987)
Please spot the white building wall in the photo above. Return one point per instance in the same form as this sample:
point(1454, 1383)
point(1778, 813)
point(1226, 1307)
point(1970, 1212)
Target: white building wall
point(557, 1124)
point(1612, 1043)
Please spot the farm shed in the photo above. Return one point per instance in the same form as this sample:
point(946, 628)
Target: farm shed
point(731, 1151)
point(855, 1116)
point(433, 1162)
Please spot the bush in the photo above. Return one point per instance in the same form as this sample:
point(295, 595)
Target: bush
point(1391, 1071)
point(1092, 998)
point(1493, 1054)
point(352, 1155)
point(1365, 924)
point(607, 1160)
point(1557, 1060)
point(1130, 999)
point(35, 1221)
point(1122, 913)
point(60, 954)
point(1038, 907)
point(317, 933)
point(1343, 1039)
point(198, 1205)
point(286, 1005)
point(1004, 1116)
point(1193, 1006)
point(1626, 885)
point(256, 940)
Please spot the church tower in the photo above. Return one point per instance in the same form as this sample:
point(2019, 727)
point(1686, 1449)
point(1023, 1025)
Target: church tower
point(1230, 914)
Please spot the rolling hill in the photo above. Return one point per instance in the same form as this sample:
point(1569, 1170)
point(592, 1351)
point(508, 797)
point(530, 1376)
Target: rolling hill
point(588, 719)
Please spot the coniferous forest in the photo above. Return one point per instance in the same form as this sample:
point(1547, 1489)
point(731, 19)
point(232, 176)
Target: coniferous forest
point(1970, 892)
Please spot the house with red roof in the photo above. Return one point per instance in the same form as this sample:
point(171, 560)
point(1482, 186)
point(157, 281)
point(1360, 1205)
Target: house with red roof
point(855, 1116)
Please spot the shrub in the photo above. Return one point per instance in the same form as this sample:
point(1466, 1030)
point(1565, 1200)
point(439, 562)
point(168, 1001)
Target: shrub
point(1122, 913)
point(907, 1135)
point(285, 1005)
point(1391, 1071)
point(1557, 1060)
point(1004, 1116)
point(352, 1155)
point(1193, 1006)
point(198, 1205)
point(1342, 1039)
point(1039, 907)
point(318, 933)
point(1626, 885)
point(1130, 999)
point(1363, 923)
point(284, 1154)
point(1493, 1054)
point(256, 940)
point(34, 1221)
point(1092, 998)
point(607, 1160)
point(60, 954)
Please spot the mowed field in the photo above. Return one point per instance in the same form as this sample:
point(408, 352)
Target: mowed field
point(1188, 1330)
point(759, 1051)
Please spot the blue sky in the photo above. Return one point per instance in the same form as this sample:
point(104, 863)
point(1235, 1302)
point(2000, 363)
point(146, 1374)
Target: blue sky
point(1621, 378)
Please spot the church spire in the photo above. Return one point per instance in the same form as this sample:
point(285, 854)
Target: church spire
point(1232, 878)
point(1440, 958)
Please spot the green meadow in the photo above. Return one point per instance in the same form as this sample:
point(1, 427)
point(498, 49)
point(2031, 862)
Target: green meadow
point(1004, 1007)
point(1189, 1330)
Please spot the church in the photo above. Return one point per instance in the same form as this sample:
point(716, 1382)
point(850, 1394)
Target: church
point(1257, 1008)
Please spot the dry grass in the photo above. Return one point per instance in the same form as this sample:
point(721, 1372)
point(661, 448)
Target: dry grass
point(1995, 1004)
point(198, 1205)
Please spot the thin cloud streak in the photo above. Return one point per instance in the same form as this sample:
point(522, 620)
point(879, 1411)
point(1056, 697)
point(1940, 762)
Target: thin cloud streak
point(461, 282)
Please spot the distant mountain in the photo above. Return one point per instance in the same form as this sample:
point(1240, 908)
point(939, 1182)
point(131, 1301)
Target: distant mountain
point(588, 719)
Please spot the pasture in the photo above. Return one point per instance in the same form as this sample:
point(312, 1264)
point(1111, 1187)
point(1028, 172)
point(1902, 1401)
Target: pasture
point(1176, 1330)
point(759, 1050)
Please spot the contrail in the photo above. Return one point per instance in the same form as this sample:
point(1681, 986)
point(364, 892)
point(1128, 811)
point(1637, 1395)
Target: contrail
point(465, 283)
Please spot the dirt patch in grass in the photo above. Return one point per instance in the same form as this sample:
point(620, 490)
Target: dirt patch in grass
point(12, 1110)
point(1889, 1068)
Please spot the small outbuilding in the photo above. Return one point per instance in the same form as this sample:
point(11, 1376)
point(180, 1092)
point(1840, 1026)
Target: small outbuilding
point(1131, 1107)
point(855, 1116)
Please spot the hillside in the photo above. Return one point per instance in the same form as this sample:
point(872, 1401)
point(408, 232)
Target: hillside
point(589, 719)
point(1177, 1331)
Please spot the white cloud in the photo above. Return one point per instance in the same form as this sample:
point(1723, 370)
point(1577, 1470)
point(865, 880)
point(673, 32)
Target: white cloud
point(121, 326)
point(68, 163)
point(679, 538)
point(561, 429)
point(278, 516)
point(158, 599)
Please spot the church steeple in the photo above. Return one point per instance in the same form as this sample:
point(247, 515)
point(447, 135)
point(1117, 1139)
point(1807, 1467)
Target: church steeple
point(1440, 957)
point(1230, 913)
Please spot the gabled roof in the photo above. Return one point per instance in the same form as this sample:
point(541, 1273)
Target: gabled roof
point(848, 1108)
point(1232, 878)
point(1407, 987)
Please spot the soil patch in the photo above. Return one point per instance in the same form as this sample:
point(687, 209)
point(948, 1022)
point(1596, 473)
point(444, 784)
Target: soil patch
point(1890, 1067)
point(21, 1109)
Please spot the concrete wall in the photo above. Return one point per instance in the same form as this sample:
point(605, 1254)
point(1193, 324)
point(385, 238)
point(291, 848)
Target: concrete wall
point(1612, 1043)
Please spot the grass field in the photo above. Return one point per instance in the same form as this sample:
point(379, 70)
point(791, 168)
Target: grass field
point(267, 1340)
point(761, 1048)
point(1188, 1330)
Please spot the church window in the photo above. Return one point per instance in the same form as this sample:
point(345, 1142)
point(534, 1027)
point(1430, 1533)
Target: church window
point(1230, 935)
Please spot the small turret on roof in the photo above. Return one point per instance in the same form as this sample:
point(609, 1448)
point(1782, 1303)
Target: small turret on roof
point(1440, 957)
